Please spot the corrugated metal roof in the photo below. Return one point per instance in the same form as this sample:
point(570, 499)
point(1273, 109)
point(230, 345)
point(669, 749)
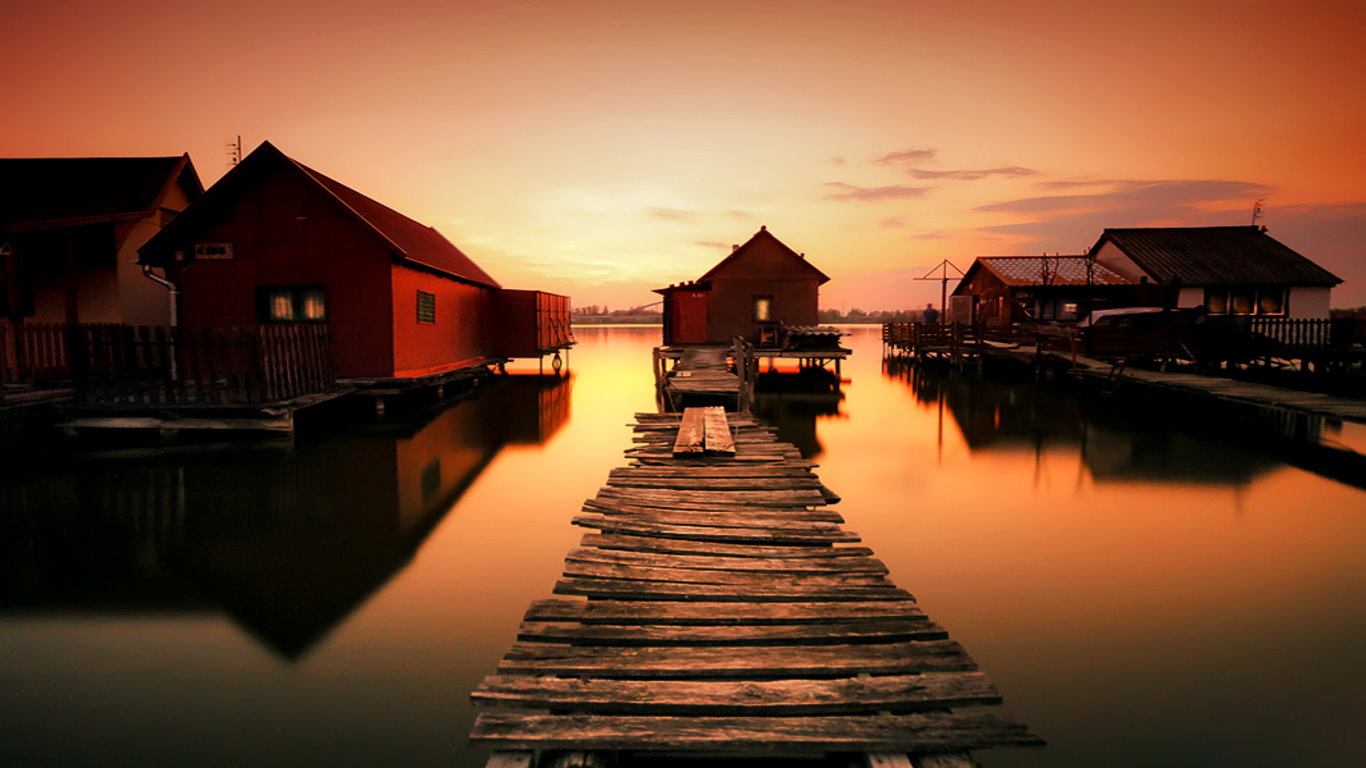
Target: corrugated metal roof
point(38, 191)
point(1215, 256)
point(1055, 270)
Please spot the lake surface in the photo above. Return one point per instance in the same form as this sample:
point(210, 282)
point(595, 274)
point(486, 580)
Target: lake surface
point(1144, 589)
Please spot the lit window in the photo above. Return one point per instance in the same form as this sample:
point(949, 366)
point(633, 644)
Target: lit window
point(1069, 310)
point(1240, 302)
point(291, 304)
point(1271, 302)
point(1216, 301)
point(763, 308)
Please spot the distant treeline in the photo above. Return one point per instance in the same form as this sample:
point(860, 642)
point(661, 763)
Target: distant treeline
point(594, 314)
point(857, 315)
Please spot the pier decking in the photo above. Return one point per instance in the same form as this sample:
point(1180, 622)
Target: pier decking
point(717, 607)
point(701, 376)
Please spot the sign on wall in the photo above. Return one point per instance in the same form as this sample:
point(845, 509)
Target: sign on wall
point(213, 250)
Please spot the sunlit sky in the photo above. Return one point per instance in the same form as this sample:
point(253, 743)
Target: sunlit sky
point(602, 149)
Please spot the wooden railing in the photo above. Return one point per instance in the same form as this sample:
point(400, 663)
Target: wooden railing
point(1295, 333)
point(149, 365)
point(33, 353)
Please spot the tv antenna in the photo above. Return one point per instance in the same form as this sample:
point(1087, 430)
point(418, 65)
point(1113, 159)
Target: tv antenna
point(943, 269)
point(234, 151)
point(1257, 210)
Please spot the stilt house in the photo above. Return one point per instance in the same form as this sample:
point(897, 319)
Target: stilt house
point(759, 286)
point(70, 229)
point(275, 241)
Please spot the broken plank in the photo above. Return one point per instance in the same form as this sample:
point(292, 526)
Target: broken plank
point(848, 695)
point(691, 435)
point(719, 440)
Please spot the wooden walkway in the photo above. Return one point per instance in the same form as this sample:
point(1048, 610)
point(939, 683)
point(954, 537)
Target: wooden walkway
point(1232, 390)
point(701, 376)
point(716, 607)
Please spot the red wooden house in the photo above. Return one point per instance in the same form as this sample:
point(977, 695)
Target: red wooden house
point(760, 285)
point(275, 241)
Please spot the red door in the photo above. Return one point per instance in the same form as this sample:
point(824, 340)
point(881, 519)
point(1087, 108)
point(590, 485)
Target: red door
point(689, 318)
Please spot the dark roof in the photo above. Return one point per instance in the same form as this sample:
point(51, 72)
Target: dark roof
point(40, 193)
point(763, 236)
point(408, 239)
point(691, 285)
point(1215, 256)
point(1061, 270)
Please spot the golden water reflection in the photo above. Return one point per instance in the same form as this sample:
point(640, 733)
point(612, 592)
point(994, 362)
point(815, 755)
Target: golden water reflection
point(1143, 592)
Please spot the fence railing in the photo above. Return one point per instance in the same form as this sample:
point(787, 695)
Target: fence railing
point(152, 365)
point(33, 353)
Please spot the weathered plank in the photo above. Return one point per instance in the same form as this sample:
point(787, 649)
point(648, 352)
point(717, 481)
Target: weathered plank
point(929, 731)
point(648, 543)
point(509, 759)
point(700, 483)
point(721, 563)
point(720, 441)
point(691, 433)
point(729, 471)
point(798, 497)
point(769, 634)
point(943, 760)
point(703, 614)
point(621, 589)
point(773, 581)
point(714, 520)
point(847, 695)
point(627, 525)
point(733, 511)
point(758, 661)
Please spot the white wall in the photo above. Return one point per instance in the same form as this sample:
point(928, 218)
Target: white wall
point(1309, 302)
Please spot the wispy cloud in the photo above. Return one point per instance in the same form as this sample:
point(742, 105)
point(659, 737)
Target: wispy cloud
point(972, 175)
point(852, 193)
point(935, 235)
point(893, 222)
point(712, 244)
point(837, 161)
point(672, 214)
point(907, 156)
point(1073, 221)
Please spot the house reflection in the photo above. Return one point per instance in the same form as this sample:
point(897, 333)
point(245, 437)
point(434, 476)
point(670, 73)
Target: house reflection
point(792, 402)
point(1119, 441)
point(287, 543)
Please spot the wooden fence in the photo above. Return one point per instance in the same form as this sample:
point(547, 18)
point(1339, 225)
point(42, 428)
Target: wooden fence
point(155, 365)
point(33, 353)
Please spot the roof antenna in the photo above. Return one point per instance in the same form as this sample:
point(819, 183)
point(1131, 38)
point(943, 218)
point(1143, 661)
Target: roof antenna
point(234, 151)
point(1257, 210)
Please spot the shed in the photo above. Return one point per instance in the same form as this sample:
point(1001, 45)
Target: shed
point(70, 229)
point(1227, 270)
point(1012, 289)
point(275, 241)
point(761, 283)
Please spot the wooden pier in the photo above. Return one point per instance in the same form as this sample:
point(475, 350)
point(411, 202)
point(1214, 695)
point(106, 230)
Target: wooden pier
point(702, 375)
point(717, 608)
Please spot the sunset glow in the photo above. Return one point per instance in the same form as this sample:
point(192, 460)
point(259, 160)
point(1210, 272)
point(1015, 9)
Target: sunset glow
point(601, 149)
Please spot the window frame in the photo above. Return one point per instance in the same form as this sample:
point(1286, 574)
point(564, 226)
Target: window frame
point(299, 297)
point(429, 316)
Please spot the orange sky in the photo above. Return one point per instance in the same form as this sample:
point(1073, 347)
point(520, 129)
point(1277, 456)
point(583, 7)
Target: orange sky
point(602, 149)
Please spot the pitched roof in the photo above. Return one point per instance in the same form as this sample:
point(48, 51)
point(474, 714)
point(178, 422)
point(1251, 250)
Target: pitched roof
point(761, 238)
point(1215, 256)
point(1059, 270)
point(408, 239)
point(41, 193)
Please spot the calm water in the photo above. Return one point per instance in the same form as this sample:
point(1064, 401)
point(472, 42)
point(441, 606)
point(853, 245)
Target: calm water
point(1143, 593)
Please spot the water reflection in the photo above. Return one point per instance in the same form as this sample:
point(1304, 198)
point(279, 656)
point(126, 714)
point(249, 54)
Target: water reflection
point(287, 545)
point(1118, 442)
point(792, 402)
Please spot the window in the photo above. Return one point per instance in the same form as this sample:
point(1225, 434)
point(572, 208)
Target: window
point(1069, 310)
point(291, 304)
point(763, 308)
point(1245, 301)
point(426, 307)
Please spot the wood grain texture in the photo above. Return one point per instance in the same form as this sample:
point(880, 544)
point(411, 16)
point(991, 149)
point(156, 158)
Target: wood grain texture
point(848, 695)
point(723, 563)
point(772, 634)
point(627, 612)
